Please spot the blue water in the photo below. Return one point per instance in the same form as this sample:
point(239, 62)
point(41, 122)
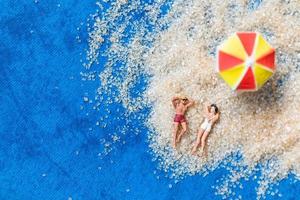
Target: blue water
point(47, 149)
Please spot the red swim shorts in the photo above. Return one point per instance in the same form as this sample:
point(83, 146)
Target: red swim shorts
point(179, 118)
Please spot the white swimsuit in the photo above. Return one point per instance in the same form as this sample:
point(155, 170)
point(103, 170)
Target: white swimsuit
point(207, 124)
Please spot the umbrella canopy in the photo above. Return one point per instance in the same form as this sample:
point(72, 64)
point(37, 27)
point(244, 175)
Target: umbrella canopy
point(246, 61)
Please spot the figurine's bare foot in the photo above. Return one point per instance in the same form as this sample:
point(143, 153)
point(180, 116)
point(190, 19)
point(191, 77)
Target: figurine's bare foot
point(179, 138)
point(194, 150)
point(174, 145)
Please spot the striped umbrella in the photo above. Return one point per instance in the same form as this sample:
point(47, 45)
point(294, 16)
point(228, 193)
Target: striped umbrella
point(246, 61)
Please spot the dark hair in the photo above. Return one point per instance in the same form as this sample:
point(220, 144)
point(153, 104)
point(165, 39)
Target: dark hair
point(215, 106)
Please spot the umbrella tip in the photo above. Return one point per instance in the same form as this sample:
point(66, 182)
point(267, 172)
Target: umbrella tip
point(249, 61)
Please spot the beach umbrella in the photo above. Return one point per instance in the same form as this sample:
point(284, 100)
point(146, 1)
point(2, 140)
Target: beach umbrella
point(245, 61)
